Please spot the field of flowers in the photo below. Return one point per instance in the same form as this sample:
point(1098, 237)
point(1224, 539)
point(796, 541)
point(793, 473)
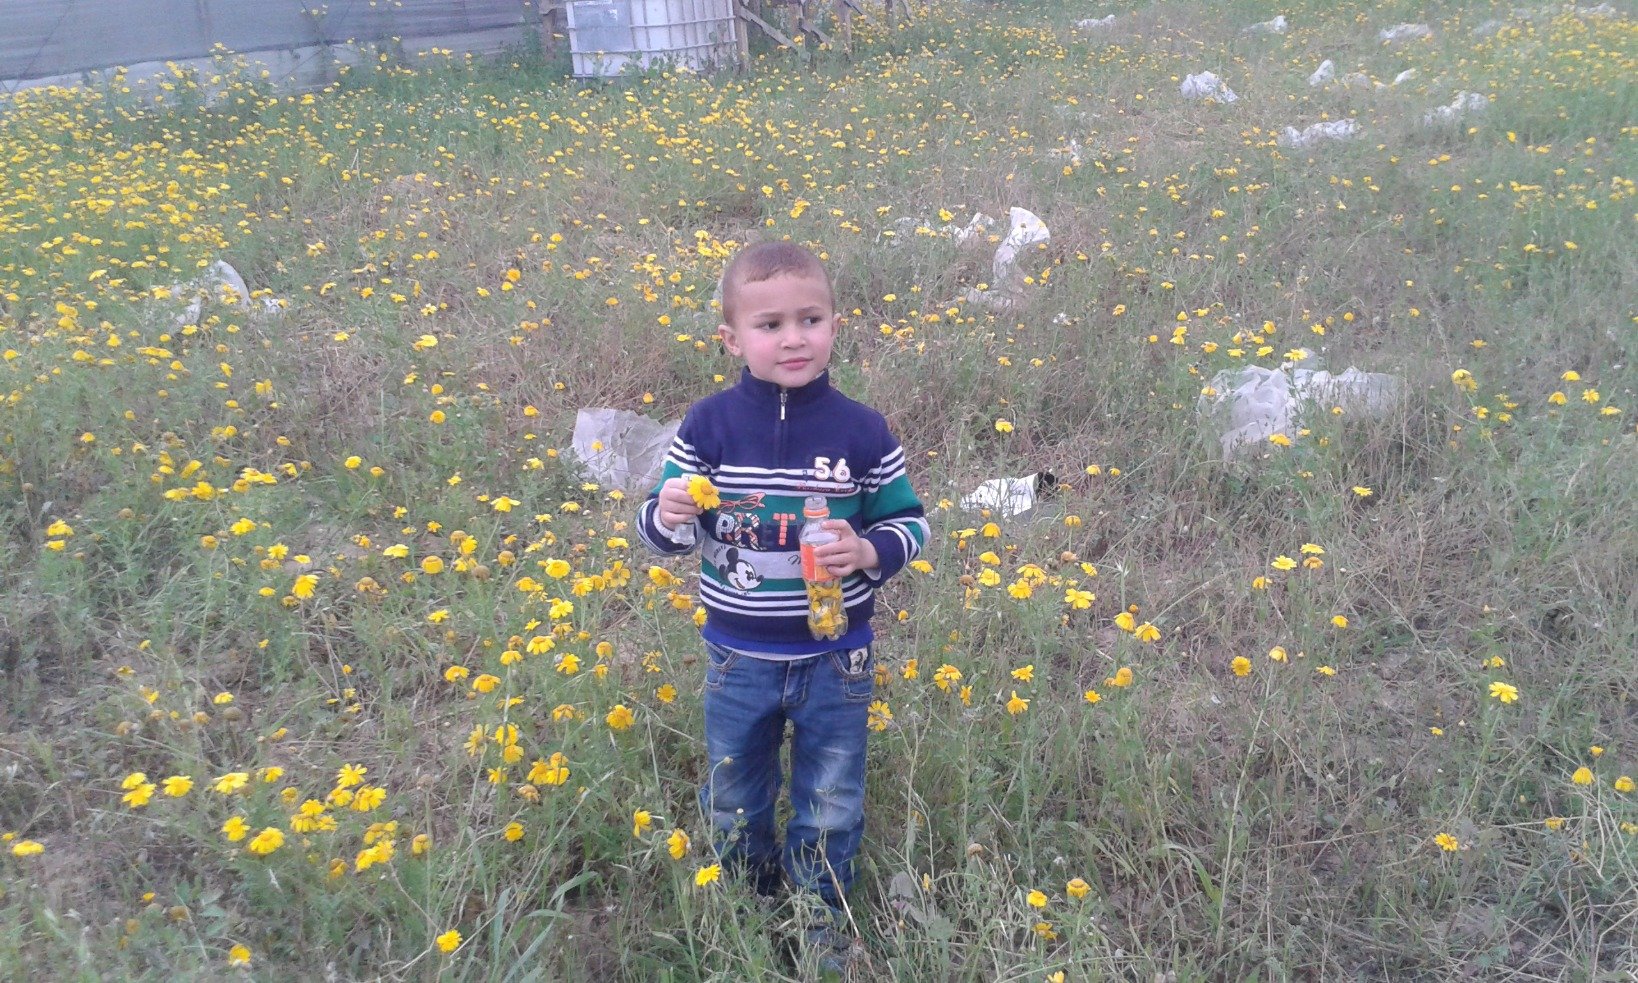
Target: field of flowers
point(323, 658)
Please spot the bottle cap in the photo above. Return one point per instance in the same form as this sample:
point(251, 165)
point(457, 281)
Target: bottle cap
point(815, 507)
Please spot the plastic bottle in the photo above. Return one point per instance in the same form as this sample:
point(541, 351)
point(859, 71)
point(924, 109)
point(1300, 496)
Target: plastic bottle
point(827, 611)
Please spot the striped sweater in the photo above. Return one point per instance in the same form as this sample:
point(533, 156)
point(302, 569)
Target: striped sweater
point(766, 448)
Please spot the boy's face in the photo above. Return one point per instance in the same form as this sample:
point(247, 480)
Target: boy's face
point(783, 328)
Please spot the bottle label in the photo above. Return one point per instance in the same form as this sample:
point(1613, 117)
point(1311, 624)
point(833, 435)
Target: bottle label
point(812, 569)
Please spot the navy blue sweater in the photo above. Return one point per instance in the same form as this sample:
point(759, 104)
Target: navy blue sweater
point(766, 448)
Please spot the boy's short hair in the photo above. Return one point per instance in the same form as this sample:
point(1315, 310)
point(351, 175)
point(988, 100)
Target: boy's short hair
point(764, 261)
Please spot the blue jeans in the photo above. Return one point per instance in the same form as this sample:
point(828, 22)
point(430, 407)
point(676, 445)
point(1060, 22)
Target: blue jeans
point(747, 703)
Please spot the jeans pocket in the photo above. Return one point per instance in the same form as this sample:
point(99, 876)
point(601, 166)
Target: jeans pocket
point(857, 670)
point(719, 662)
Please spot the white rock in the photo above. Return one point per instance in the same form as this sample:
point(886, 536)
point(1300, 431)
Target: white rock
point(1404, 76)
point(1275, 26)
point(1095, 23)
point(1323, 74)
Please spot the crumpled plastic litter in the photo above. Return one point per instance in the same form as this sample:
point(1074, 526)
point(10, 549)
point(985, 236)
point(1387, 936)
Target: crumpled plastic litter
point(1405, 32)
point(1462, 105)
point(1339, 129)
point(1095, 23)
point(1323, 74)
point(1027, 230)
point(222, 283)
point(1207, 85)
point(1008, 497)
point(1070, 151)
point(978, 225)
point(621, 449)
point(1275, 26)
point(1254, 403)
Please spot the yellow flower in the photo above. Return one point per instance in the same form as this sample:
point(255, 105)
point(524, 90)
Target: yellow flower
point(703, 492)
point(1241, 666)
point(1122, 677)
point(239, 956)
point(1077, 888)
point(267, 841)
point(26, 848)
point(235, 829)
point(1448, 843)
point(1003, 426)
point(946, 675)
point(513, 831)
point(677, 843)
point(1024, 673)
point(432, 565)
point(666, 693)
point(503, 504)
point(880, 716)
point(1624, 784)
point(1362, 491)
point(1036, 899)
point(620, 717)
point(1146, 632)
point(1505, 692)
point(1045, 931)
point(1125, 622)
point(449, 941)
point(1017, 704)
point(1080, 600)
point(139, 795)
point(1554, 823)
point(1340, 621)
point(349, 775)
point(1283, 562)
point(1582, 776)
point(1277, 653)
point(304, 586)
point(1092, 696)
point(641, 821)
point(177, 786)
point(707, 875)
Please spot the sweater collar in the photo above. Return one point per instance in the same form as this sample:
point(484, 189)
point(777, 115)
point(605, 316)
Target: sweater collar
point(762, 390)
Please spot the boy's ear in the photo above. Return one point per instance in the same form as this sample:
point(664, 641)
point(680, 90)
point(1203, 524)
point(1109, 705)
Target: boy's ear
point(729, 342)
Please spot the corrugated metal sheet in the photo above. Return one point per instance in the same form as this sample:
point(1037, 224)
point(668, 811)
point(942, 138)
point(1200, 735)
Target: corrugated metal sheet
point(47, 38)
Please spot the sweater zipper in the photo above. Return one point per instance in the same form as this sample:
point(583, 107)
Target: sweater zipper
point(779, 431)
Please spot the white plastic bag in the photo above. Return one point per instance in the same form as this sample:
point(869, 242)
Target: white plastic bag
point(622, 449)
point(1250, 405)
point(1462, 105)
point(1207, 85)
point(1405, 32)
point(1008, 497)
point(1339, 129)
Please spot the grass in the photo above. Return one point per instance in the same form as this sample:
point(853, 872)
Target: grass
point(353, 532)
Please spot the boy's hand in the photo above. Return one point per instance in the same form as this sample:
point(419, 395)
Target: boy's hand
point(849, 553)
point(676, 507)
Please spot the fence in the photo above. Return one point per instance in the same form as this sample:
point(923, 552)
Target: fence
point(297, 41)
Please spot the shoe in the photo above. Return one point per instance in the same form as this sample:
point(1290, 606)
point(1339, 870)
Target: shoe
point(835, 950)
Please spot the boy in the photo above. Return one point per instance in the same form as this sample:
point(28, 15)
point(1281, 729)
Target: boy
point(781, 434)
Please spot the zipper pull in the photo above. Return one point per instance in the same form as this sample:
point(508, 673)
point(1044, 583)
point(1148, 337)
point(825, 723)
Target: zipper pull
point(783, 395)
